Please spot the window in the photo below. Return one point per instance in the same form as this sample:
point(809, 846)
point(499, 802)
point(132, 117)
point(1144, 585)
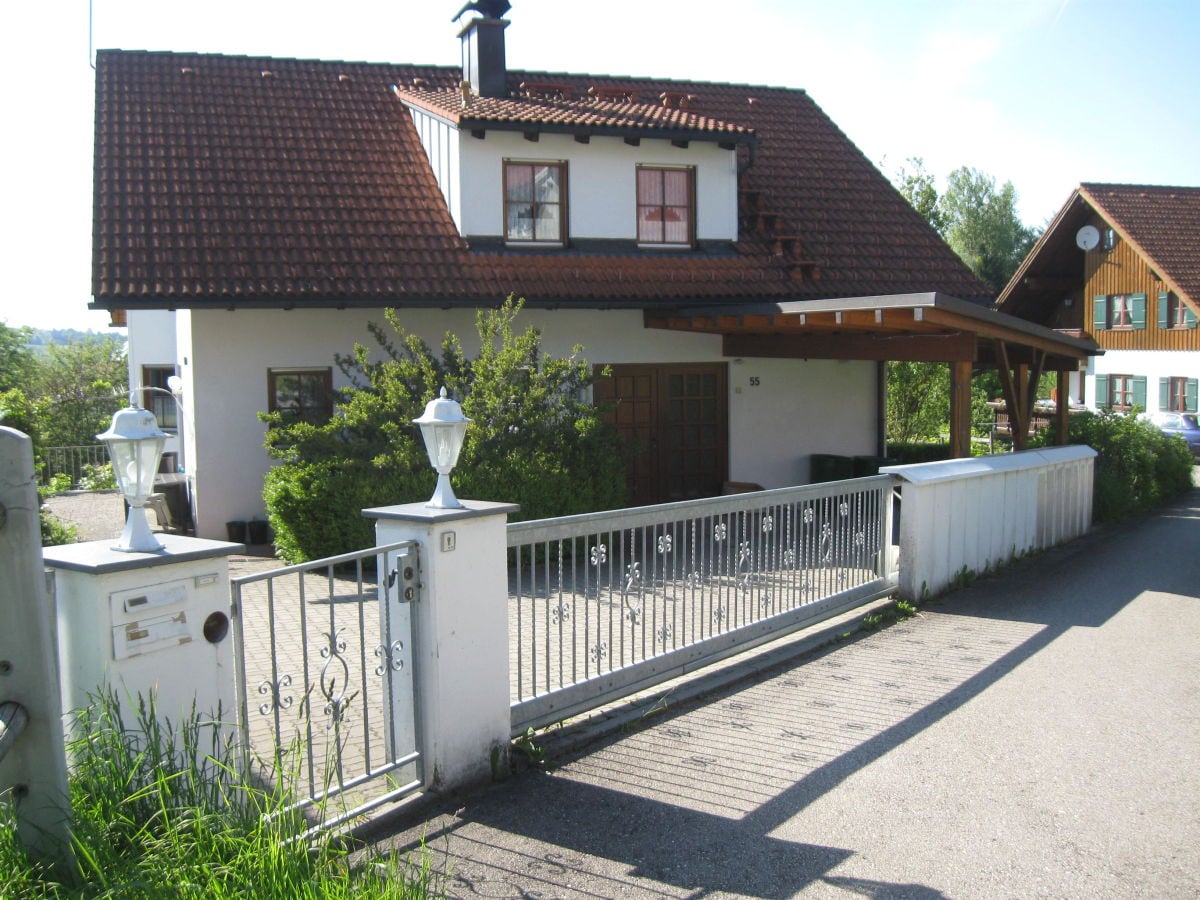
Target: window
point(1119, 311)
point(161, 404)
point(1122, 392)
point(1178, 394)
point(301, 395)
point(535, 202)
point(666, 205)
point(1174, 313)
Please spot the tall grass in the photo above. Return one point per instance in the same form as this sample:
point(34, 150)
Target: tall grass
point(164, 812)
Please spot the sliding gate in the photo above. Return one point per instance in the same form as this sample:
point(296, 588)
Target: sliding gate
point(325, 680)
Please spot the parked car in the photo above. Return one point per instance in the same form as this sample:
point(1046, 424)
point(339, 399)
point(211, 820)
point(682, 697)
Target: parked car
point(1186, 425)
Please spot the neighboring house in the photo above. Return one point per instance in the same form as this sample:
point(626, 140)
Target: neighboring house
point(254, 215)
point(1122, 262)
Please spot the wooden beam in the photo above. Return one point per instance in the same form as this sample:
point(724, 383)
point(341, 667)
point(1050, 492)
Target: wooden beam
point(907, 348)
point(960, 409)
point(1062, 411)
point(995, 330)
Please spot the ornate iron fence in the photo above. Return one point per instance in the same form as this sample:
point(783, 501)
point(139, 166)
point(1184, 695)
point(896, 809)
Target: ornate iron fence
point(605, 604)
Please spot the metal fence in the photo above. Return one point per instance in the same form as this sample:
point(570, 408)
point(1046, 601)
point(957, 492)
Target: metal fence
point(325, 679)
point(605, 604)
point(72, 461)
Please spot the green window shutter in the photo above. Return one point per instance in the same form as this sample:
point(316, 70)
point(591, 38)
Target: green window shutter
point(1164, 393)
point(1189, 317)
point(1163, 303)
point(1102, 401)
point(1192, 395)
point(1100, 313)
point(1139, 390)
point(1137, 311)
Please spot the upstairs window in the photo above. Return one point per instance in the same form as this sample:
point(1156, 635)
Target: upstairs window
point(1174, 313)
point(301, 395)
point(666, 206)
point(1119, 311)
point(535, 202)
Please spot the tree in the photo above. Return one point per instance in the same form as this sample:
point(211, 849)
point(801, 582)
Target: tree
point(16, 357)
point(919, 188)
point(534, 439)
point(76, 388)
point(982, 226)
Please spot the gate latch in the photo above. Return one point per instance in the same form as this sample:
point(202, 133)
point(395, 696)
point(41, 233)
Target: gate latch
point(405, 572)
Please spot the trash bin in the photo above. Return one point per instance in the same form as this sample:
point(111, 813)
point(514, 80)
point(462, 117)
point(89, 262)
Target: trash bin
point(830, 467)
point(870, 465)
point(236, 532)
point(258, 532)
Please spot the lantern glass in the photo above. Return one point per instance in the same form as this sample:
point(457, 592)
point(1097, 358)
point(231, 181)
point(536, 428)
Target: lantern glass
point(443, 428)
point(135, 444)
point(135, 463)
point(443, 443)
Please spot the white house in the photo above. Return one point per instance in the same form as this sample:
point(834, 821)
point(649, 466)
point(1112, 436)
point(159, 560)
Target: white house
point(253, 215)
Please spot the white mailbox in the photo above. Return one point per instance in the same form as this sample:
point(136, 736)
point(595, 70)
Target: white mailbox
point(142, 623)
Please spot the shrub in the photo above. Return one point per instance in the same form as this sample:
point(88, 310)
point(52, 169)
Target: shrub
point(1138, 467)
point(534, 439)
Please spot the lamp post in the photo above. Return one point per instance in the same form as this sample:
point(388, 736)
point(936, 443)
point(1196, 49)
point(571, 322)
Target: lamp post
point(443, 428)
point(135, 444)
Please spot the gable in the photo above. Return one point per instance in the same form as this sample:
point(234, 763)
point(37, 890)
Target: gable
point(237, 181)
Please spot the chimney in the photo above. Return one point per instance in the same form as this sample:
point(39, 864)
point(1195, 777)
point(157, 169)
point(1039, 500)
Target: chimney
point(483, 48)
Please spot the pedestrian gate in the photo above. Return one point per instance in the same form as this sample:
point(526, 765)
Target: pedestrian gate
point(325, 680)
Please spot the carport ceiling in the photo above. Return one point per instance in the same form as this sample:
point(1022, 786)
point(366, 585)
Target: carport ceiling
point(928, 327)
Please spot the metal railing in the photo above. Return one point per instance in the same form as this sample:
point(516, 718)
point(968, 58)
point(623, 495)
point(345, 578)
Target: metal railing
point(72, 461)
point(602, 605)
point(331, 667)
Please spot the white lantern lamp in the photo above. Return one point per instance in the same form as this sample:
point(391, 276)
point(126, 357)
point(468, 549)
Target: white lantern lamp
point(135, 444)
point(443, 427)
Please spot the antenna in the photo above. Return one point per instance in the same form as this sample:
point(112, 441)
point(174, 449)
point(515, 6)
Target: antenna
point(91, 46)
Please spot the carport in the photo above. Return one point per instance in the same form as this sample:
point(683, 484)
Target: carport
point(928, 327)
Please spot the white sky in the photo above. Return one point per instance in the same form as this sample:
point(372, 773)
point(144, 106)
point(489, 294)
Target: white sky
point(1043, 93)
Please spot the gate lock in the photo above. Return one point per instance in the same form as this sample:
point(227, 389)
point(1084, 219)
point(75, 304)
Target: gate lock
point(406, 571)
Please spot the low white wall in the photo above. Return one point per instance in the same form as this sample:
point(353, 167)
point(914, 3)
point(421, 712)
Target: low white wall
point(967, 515)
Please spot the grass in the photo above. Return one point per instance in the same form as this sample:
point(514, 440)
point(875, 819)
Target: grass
point(154, 821)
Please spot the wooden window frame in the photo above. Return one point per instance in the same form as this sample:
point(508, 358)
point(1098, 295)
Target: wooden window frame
point(1179, 394)
point(1120, 391)
point(165, 410)
point(1119, 312)
point(318, 414)
point(560, 166)
point(1174, 314)
point(664, 208)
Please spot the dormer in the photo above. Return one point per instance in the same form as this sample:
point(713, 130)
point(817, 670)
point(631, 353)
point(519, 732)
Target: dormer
point(553, 163)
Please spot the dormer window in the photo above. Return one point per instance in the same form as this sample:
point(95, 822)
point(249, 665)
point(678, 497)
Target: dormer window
point(535, 202)
point(666, 206)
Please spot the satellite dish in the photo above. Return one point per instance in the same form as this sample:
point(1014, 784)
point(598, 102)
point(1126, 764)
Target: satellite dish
point(1087, 237)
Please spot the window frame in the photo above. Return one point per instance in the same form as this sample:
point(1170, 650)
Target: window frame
point(1119, 312)
point(319, 414)
point(1131, 389)
point(1174, 314)
point(639, 204)
point(165, 409)
point(1179, 394)
point(559, 165)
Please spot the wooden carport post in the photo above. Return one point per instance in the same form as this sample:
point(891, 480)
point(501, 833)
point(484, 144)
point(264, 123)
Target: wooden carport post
point(960, 408)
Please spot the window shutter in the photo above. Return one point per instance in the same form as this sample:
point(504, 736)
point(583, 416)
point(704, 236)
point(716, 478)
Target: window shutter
point(1137, 311)
point(1102, 401)
point(1191, 395)
point(1164, 393)
point(1100, 313)
point(1139, 389)
point(1189, 317)
point(1163, 322)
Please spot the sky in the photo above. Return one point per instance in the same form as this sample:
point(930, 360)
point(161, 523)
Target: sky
point(1043, 93)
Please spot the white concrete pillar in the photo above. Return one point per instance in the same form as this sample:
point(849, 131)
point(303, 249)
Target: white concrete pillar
point(460, 636)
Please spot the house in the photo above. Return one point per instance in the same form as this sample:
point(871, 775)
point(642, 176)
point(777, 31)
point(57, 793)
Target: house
point(1122, 263)
point(742, 268)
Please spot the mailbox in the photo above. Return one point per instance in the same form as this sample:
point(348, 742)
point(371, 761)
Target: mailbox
point(142, 623)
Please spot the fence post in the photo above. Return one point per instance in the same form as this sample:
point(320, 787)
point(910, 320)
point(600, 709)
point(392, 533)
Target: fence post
point(33, 770)
point(460, 636)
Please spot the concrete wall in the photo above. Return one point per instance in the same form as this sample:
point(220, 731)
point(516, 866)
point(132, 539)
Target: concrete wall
point(780, 411)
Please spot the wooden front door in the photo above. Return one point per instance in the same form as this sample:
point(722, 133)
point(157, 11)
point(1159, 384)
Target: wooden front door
point(676, 417)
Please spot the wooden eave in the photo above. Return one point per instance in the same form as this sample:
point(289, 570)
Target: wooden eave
point(929, 327)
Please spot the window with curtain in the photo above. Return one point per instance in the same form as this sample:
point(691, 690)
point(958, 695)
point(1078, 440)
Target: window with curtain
point(666, 205)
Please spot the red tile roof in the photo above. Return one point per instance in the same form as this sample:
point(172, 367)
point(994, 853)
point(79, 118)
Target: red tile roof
point(1163, 223)
point(226, 180)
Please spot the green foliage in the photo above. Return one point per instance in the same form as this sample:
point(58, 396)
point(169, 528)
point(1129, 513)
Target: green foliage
point(164, 812)
point(534, 439)
point(919, 188)
point(918, 401)
point(76, 388)
point(982, 225)
point(1138, 466)
point(97, 477)
point(16, 357)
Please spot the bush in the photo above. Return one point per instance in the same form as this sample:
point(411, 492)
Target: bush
point(1138, 466)
point(908, 453)
point(534, 439)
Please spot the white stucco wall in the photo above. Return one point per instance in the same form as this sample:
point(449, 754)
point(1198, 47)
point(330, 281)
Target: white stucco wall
point(151, 342)
point(601, 192)
point(1153, 364)
point(797, 408)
